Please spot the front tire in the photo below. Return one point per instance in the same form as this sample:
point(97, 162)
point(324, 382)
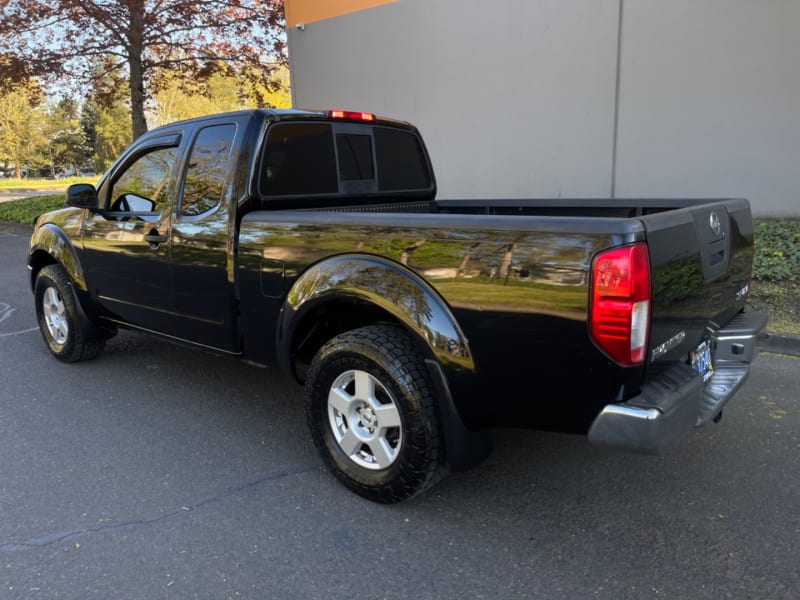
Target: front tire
point(68, 333)
point(372, 413)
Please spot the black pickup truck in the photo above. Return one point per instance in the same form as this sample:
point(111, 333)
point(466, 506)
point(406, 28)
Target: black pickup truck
point(313, 241)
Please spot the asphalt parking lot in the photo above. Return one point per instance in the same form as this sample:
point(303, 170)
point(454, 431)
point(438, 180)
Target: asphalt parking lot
point(160, 472)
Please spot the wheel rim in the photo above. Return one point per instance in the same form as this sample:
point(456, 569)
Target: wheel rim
point(365, 420)
point(55, 316)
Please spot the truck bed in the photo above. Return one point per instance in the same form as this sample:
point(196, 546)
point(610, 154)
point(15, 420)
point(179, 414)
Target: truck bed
point(544, 207)
point(518, 271)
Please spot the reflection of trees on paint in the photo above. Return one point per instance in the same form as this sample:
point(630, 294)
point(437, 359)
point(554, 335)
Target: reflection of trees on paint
point(677, 281)
point(398, 291)
point(388, 288)
point(545, 272)
point(497, 254)
point(508, 253)
point(510, 257)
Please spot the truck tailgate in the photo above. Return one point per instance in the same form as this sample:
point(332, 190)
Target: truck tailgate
point(701, 258)
point(701, 342)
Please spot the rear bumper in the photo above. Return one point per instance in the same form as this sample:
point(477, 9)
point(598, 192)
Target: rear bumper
point(677, 400)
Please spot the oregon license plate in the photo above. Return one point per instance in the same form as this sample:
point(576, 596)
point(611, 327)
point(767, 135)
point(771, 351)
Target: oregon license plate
point(701, 360)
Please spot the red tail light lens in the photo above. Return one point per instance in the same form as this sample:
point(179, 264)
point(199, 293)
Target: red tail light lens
point(619, 319)
point(350, 115)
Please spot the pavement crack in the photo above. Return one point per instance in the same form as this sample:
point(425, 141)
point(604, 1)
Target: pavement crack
point(2, 335)
point(56, 537)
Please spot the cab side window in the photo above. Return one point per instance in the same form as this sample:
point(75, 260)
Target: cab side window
point(143, 185)
point(299, 160)
point(204, 183)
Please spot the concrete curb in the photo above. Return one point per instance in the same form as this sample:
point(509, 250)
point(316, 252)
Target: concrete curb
point(780, 343)
point(16, 228)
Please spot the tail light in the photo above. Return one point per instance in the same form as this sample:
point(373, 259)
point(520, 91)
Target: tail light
point(619, 311)
point(350, 115)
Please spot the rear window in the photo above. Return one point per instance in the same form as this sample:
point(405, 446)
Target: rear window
point(341, 159)
point(401, 162)
point(299, 160)
point(355, 156)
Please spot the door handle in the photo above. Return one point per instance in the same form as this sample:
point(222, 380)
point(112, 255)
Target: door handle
point(154, 238)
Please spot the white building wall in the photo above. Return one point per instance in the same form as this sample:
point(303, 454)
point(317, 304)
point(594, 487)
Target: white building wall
point(530, 98)
point(710, 101)
point(509, 96)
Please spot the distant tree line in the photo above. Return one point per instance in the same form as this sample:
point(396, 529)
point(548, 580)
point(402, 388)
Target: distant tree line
point(45, 137)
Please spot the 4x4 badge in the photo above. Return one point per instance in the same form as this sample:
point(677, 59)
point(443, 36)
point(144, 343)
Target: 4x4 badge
point(713, 221)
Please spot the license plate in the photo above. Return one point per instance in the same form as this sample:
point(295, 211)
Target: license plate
point(701, 360)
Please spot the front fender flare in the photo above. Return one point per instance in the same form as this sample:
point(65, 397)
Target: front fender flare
point(52, 241)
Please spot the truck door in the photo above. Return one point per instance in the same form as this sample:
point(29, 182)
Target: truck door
point(202, 243)
point(125, 246)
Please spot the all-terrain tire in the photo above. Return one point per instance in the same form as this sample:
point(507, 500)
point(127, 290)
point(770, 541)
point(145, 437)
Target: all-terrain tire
point(372, 412)
point(68, 333)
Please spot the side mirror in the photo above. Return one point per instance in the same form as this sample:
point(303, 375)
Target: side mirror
point(82, 195)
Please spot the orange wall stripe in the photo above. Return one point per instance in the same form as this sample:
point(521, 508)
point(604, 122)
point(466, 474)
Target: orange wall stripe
point(308, 11)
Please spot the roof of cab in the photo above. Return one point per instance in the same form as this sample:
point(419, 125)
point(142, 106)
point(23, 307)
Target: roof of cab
point(292, 114)
point(282, 114)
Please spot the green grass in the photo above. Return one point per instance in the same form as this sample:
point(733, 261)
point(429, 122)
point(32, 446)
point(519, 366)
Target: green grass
point(777, 256)
point(26, 210)
point(35, 184)
point(776, 274)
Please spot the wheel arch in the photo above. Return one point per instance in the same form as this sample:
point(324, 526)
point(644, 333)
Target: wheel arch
point(351, 291)
point(50, 245)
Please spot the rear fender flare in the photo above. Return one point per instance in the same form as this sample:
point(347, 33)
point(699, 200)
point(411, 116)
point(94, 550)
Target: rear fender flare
point(392, 287)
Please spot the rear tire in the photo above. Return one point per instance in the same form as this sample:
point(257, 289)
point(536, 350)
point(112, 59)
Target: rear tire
point(68, 333)
point(372, 413)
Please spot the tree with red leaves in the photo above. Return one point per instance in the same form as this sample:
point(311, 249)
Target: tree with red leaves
point(88, 39)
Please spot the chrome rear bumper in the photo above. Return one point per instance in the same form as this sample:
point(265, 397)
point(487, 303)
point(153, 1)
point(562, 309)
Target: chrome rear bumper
point(677, 400)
